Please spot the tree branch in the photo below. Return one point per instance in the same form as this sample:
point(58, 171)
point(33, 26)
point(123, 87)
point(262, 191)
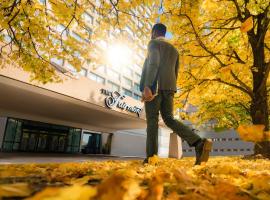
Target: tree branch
point(241, 83)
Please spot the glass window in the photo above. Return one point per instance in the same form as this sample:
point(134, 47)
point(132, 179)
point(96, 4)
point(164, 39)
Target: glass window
point(88, 32)
point(137, 77)
point(101, 69)
point(60, 28)
point(76, 36)
point(127, 83)
point(137, 97)
point(128, 72)
point(74, 137)
point(129, 30)
point(88, 18)
point(138, 67)
point(83, 72)
point(71, 68)
point(113, 75)
point(96, 78)
point(113, 87)
point(57, 61)
point(137, 87)
point(127, 92)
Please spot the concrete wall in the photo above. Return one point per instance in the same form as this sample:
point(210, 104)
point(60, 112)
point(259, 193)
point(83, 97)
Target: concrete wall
point(163, 142)
point(3, 121)
point(129, 143)
point(133, 143)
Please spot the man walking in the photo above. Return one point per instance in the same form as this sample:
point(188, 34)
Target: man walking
point(158, 85)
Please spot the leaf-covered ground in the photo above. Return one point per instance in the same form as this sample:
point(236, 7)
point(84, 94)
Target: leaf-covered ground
point(221, 178)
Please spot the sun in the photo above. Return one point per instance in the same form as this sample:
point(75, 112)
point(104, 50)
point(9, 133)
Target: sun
point(119, 55)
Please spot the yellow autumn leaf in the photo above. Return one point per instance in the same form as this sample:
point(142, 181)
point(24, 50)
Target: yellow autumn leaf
point(153, 160)
point(75, 192)
point(118, 186)
point(247, 25)
point(15, 190)
point(251, 133)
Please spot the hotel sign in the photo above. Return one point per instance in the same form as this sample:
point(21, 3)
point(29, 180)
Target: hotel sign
point(115, 99)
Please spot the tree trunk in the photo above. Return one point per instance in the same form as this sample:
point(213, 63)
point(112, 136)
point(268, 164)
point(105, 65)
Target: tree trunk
point(259, 105)
point(259, 114)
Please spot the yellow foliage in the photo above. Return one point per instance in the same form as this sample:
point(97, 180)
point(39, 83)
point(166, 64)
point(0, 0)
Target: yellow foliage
point(247, 25)
point(15, 190)
point(252, 133)
point(230, 178)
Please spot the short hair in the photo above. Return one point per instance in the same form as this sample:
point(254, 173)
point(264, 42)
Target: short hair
point(160, 29)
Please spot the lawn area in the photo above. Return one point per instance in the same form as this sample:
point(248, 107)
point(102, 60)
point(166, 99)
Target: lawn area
point(221, 178)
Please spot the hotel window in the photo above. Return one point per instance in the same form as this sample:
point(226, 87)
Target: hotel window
point(83, 72)
point(76, 36)
point(88, 33)
point(60, 28)
point(113, 75)
point(229, 150)
point(235, 149)
point(57, 61)
point(88, 18)
point(128, 72)
point(127, 83)
point(137, 77)
point(71, 68)
point(237, 139)
point(138, 67)
point(223, 139)
point(137, 97)
point(129, 31)
point(96, 78)
point(221, 150)
point(230, 139)
point(215, 150)
point(137, 87)
point(113, 87)
point(101, 69)
point(127, 92)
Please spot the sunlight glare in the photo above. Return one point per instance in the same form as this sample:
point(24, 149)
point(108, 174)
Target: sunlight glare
point(119, 55)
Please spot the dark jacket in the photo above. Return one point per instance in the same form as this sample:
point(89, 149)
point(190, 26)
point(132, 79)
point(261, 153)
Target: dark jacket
point(161, 66)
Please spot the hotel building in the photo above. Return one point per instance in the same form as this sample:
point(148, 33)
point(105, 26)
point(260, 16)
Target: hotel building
point(94, 111)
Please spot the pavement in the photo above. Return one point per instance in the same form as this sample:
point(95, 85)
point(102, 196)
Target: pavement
point(24, 158)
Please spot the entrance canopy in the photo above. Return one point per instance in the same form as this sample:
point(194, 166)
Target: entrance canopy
point(23, 100)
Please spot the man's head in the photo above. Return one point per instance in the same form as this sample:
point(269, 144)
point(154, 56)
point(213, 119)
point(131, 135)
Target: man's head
point(158, 30)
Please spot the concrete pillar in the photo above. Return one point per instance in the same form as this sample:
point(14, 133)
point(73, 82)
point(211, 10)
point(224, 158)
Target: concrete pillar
point(3, 121)
point(175, 147)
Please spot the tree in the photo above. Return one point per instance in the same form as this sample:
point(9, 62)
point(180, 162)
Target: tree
point(36, 34)
point(225, 49)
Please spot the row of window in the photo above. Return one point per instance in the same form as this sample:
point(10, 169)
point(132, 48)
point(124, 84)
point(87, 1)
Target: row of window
point(126, 81)
point(114, 87)
point(220, 150)
point(224, 139)
point(115, 75)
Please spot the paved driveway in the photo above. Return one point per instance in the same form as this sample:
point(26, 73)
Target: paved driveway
point(19, 158)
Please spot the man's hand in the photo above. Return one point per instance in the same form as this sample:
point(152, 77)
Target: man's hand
point(147, 95)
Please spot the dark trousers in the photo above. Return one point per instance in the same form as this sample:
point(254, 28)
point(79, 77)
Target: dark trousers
point(163, 103)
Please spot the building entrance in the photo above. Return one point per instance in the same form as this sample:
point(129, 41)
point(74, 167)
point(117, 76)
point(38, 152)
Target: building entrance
point(35, 141)
point(29, 136)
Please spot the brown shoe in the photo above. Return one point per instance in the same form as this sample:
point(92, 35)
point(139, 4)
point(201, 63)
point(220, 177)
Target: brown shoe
point(202, 150)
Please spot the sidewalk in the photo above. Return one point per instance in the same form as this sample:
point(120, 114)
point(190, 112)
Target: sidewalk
point(21, 158)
